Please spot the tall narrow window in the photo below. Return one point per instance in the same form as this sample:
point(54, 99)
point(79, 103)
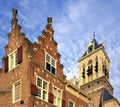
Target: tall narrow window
point(17, 91)
point(57, 96)
point(96, 64)
point(50, 64)
point(42, 88)
point(16, 58)
point(90, 68)
point(13, 60)
point(83, 73)
point(71, 104)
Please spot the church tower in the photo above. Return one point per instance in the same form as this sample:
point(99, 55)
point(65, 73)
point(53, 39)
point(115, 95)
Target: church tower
point(94, 70)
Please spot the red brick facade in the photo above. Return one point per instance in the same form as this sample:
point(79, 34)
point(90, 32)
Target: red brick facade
point(30, 63)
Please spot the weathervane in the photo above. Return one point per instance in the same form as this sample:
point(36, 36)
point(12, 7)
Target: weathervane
point(94, 34)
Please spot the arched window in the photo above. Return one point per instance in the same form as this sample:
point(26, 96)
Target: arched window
point(90, 68)
point(89, 62)
point(96, 64)
point(105, 69)
point(83, 73)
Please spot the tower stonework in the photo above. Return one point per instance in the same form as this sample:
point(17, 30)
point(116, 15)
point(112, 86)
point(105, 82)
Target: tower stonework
point(94, 72)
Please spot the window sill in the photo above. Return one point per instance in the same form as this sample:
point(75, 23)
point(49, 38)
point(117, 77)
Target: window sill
point(50, 73)
point(16, 101)
point(41, 99)
point(13, 68)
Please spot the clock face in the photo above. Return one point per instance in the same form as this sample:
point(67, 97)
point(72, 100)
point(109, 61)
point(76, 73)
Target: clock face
point(90, 48)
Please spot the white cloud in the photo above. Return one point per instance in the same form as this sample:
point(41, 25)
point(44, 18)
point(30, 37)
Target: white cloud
point(73, 22)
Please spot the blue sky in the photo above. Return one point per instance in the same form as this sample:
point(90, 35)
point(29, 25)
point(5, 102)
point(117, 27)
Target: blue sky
point(74, 22)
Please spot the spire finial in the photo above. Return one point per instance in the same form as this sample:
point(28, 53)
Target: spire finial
point(49, 19)
point(14, 19)
point(49, 25)
point(14, 12)
point(94, 34)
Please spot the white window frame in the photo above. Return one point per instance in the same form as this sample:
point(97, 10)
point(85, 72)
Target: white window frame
point(42, 89)
point(72, 102)
point(51, 59)
point(12, 63)
point(14, 100)
point(57, 96)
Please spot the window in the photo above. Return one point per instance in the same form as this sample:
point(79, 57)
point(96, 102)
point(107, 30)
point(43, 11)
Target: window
point(13, 60)
point(90, 48)
point(71, 104)
point(16, 91)
point(57, 96)
point(76, 83)
point(16, 58)
point(83, 73)
point(42, 88)
point(90, 68)
point(50, 64)
point(96, 65)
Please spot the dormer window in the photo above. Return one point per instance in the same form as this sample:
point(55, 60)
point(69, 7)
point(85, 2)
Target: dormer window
point(50, 64)
point(90, 48)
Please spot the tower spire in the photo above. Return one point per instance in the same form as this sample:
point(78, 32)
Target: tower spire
point(14, 18)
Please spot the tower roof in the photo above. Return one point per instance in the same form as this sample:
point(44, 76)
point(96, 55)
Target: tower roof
point(106, 95)
point(93, 45)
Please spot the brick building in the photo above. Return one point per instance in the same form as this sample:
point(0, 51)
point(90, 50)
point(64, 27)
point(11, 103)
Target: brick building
point(32, 75)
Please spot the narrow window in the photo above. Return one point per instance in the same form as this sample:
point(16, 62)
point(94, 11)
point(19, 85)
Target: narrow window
point(71, 104)
point(17, 91)
point(50, 64)
point(15, 58)
point(42, 88)
point(57, 96)
point(90, 68)
point(11, 61)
